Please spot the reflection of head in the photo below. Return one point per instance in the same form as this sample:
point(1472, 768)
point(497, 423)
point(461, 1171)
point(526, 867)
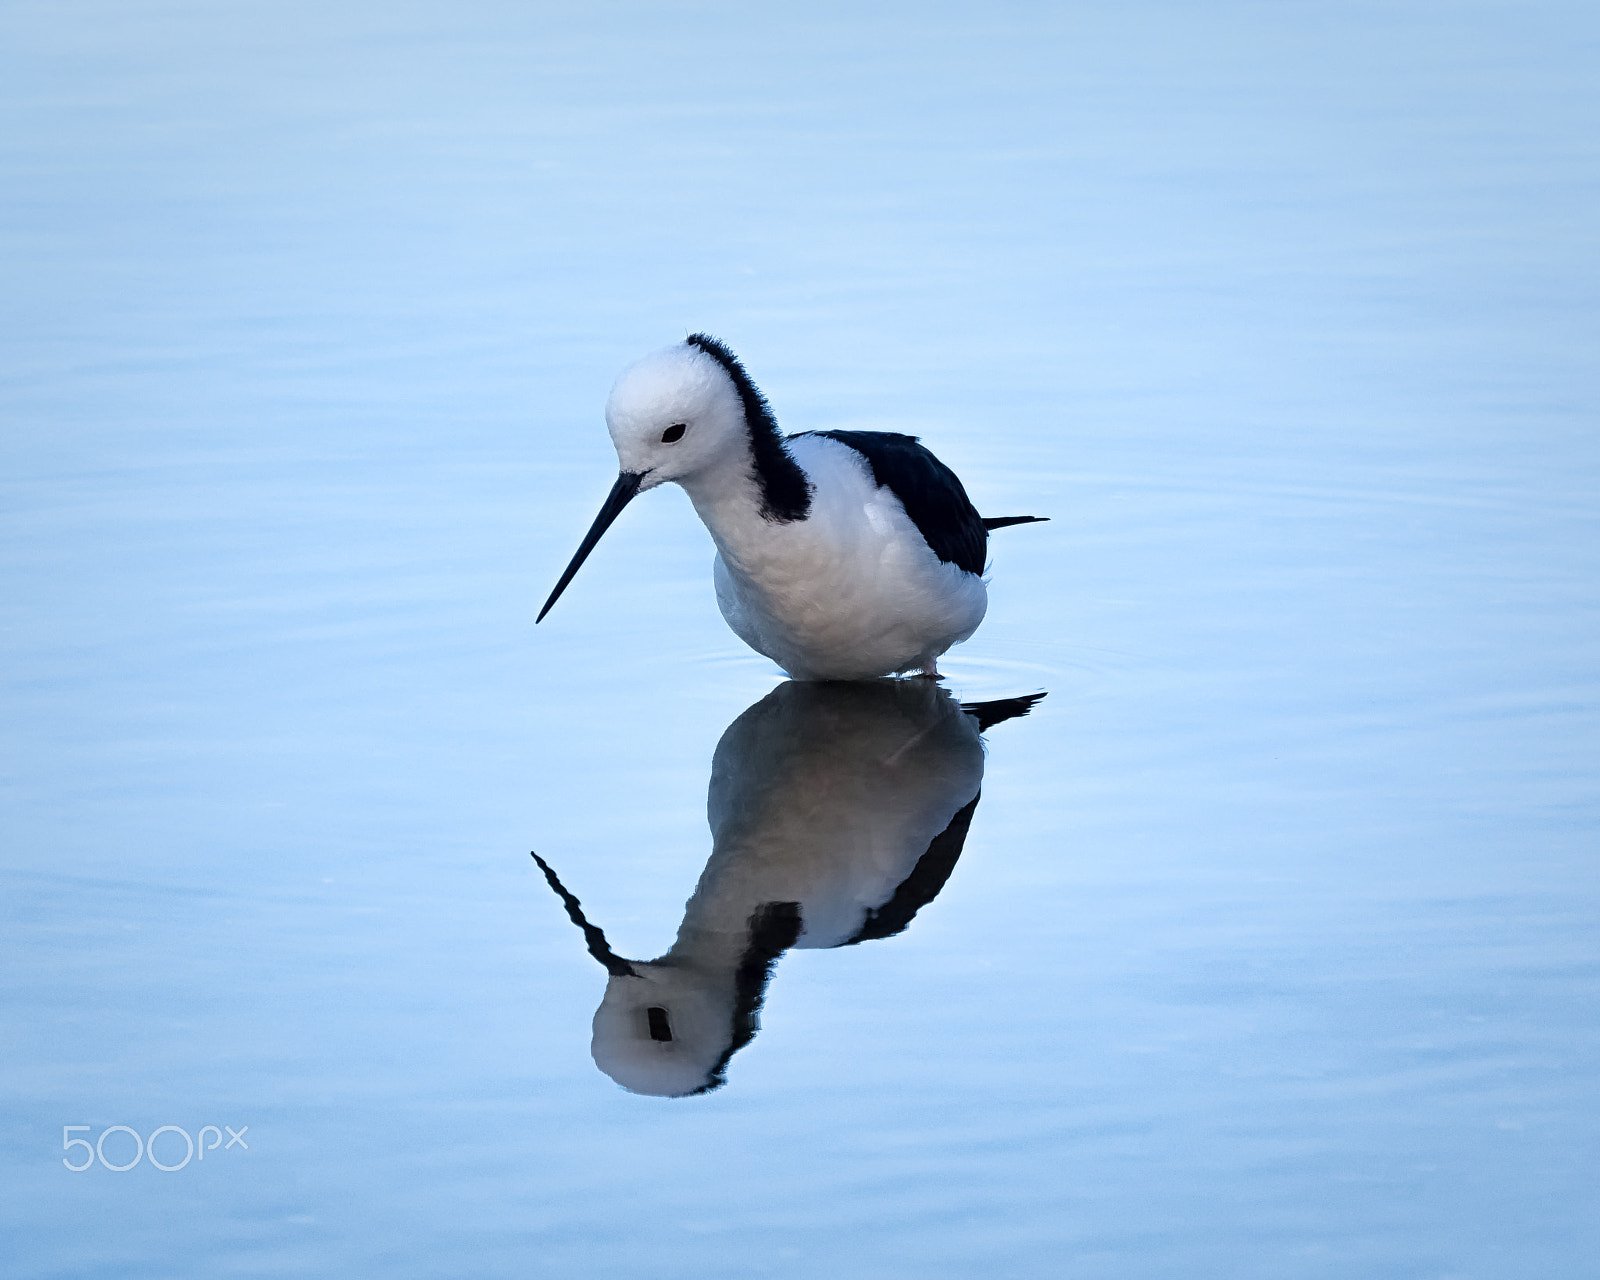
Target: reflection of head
point(670, 1027)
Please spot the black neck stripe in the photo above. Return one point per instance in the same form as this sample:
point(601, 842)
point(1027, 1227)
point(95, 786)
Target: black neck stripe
point(774, 928)
point(785, 493)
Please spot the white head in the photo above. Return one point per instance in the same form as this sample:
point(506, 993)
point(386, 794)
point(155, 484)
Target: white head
point(665, 1029)
point(674, 415)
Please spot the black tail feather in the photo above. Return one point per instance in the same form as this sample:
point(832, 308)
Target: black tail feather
point(989, 714)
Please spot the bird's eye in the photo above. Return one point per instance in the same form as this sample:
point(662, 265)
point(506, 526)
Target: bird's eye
point(660, 1028)
point(674, 433)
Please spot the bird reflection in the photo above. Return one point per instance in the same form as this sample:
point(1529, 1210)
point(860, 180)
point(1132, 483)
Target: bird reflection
point(837, 812)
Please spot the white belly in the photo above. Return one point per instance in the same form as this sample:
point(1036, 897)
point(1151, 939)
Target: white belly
point(849, 593)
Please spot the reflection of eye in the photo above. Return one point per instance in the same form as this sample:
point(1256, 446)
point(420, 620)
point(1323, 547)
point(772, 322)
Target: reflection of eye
point(660, 1029)
point(672, 435)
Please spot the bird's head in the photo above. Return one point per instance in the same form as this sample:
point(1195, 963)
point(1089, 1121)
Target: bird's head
point(674, 414)
point(665, 1029)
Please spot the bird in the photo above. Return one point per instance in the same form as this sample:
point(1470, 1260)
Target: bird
point(841, 554)
point(837, 812)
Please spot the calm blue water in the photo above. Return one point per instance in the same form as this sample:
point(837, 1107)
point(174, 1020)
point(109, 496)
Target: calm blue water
point(1271, 950)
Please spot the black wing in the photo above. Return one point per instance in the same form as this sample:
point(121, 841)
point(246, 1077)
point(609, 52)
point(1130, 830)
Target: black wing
point(929, 491)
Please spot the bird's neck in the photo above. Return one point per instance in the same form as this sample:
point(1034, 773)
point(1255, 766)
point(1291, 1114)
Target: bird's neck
point(728, 499)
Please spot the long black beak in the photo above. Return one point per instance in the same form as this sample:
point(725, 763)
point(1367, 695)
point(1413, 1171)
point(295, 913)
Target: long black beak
point(622, 493)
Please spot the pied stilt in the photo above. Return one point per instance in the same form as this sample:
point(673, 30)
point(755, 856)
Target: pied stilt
point(841, 555)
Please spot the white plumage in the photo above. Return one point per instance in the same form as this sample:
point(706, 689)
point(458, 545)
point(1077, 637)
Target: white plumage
point(851, 592)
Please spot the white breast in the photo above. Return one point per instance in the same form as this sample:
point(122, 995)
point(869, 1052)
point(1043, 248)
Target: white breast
point(852, 591)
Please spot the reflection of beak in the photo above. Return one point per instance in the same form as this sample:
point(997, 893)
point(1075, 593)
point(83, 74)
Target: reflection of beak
point(621, 494)
point(599, 948)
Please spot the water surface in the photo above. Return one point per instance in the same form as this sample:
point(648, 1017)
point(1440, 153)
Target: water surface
point(1270, 949)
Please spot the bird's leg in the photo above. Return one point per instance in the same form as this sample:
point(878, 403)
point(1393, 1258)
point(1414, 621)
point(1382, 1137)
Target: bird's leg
point(930, 670)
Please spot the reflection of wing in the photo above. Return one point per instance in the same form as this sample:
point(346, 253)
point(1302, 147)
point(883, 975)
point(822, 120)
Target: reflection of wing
point(989, 714)
point(934, 867)
point(923, 884)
